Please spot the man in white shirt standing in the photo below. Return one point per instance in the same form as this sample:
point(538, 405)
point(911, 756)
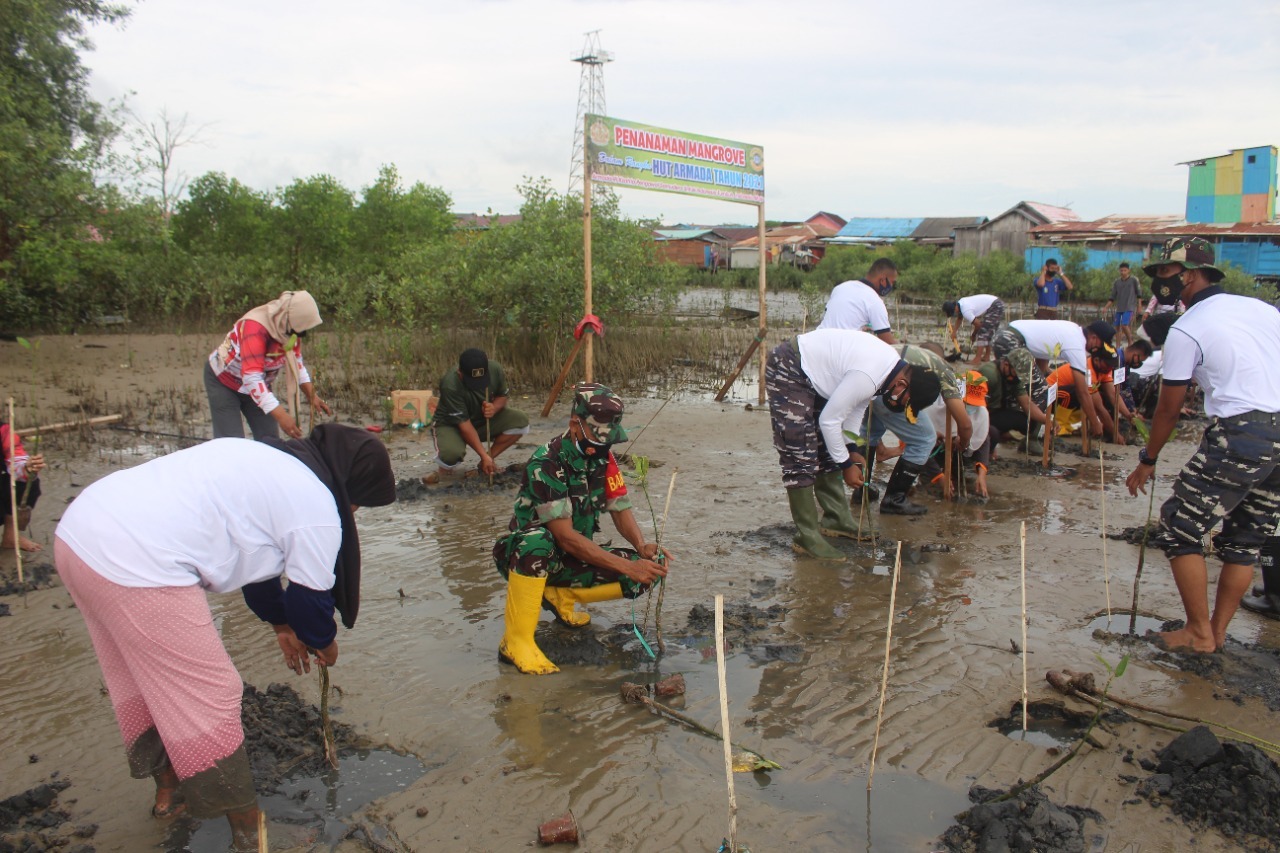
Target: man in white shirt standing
point(859, 304)
point(1229, 345)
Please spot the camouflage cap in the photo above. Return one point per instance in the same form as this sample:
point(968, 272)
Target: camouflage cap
point(1193, 253)
point(599, 403)
point(1022, 362)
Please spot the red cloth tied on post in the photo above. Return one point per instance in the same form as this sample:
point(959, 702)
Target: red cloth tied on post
point(591, 321)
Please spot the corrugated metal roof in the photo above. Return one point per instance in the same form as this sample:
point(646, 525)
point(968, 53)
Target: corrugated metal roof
point(944, 227)
point(1159, 226)
point(879, 228)
point(681, 233)
point(1051, 212)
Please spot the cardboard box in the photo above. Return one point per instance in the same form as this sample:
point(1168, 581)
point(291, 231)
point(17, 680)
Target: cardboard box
point(410, 406)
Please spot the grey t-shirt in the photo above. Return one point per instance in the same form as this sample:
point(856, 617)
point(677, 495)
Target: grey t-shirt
point(1124, 293)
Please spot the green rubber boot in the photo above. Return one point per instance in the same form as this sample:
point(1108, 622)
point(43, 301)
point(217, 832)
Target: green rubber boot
point(837, 519)
point(808, 541)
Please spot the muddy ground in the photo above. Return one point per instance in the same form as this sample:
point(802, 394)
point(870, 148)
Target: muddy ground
point(504, 752)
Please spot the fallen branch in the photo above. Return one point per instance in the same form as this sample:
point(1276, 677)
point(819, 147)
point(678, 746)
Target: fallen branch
point(66, 425)
point(639, 694)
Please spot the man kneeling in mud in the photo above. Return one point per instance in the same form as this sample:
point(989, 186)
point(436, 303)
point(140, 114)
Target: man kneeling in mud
point(548, 557)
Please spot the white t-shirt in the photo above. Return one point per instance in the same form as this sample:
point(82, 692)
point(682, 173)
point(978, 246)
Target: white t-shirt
point(855, 305)
point(973, 307)
point(1044, 336)
point(847, 368)
point(1230, 345)
point(1151, 366)
point(222, 514)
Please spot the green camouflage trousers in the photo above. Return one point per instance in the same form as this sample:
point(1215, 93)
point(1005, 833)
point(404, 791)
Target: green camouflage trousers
point(533, 552)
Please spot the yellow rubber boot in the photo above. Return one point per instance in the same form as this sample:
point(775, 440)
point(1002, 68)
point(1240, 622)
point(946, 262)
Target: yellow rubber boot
point(524, 603)
point(560, 600)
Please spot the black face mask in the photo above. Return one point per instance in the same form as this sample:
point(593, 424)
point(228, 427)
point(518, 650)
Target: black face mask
point(1166, 290)
point(895, 404)
point(595, 449)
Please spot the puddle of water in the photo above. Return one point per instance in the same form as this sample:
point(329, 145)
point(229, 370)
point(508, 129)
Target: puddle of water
point(1119, 624)
point(1045, 733)
point(316, 803)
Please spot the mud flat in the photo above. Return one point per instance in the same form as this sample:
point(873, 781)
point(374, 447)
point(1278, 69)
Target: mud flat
point(500, 753)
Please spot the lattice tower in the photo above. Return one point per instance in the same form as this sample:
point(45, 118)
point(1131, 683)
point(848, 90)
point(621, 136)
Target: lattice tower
point(592, 58)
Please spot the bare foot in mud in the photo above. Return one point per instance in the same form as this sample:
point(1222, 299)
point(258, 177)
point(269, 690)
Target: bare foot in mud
point(29, 545)
point(1182, 640)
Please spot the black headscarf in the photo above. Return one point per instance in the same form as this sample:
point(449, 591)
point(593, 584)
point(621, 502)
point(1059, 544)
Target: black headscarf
point(355, 466)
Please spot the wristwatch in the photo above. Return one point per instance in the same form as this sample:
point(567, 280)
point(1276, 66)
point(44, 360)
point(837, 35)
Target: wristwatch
point(1144, 459)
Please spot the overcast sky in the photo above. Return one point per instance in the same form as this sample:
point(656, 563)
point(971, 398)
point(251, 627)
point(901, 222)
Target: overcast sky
point(863, 109)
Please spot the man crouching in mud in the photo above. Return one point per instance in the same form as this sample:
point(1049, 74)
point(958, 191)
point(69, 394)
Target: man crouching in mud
point(548, 557)
point(1230, 346)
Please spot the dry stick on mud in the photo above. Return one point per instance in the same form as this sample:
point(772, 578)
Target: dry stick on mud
point(1102, 487)
point(724, 723)
point(1023, 544)
point(884, 677)
point(13, 495)
point(1142, 557)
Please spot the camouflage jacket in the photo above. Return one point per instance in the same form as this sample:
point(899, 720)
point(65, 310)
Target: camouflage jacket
point(559, 482)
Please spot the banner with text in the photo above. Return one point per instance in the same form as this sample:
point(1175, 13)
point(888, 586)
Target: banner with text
point(628, 154)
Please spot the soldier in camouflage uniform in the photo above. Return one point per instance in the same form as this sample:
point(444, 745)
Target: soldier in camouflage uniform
point(548, 556)
point(1229, 345)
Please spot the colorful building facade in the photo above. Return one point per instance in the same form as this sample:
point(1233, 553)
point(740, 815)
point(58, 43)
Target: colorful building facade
point(1236, 187)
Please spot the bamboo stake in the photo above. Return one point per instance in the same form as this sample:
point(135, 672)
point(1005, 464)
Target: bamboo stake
point(13, 496)
point(588, 358)
point(263, 845)
point(947, 492)
point(1049, 430)
point(884, 677)
point(662, 584)
point(1023, 540)
point(733, 377)
point(63, 426)
point(488, 435)
point(724, 724)
point(1106, 572)
point(1142, 557)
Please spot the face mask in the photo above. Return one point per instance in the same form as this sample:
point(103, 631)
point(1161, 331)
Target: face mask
point(1166, 290)
point(884, 289)
point(895, 404)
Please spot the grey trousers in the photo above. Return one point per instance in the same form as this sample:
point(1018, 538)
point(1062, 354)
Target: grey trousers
point(226, 407)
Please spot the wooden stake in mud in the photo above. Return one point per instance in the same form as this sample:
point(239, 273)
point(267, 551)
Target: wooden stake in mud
point(1142, 556)
point(1023, 541)
point(733, 377)
point(947, 492)
point(764, 311)
point(1048, 436)
point(13, 496)
point(1106, 572)
point(263, 845)
point(488, 434)
point(724, 724)
point(662, 585)
point(588, 358)
point(884, 677)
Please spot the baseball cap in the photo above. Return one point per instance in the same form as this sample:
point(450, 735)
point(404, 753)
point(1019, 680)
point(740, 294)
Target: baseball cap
point(603, 407)
point(473, 364)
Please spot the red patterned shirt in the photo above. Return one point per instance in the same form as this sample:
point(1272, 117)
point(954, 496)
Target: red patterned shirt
point(248, 360)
